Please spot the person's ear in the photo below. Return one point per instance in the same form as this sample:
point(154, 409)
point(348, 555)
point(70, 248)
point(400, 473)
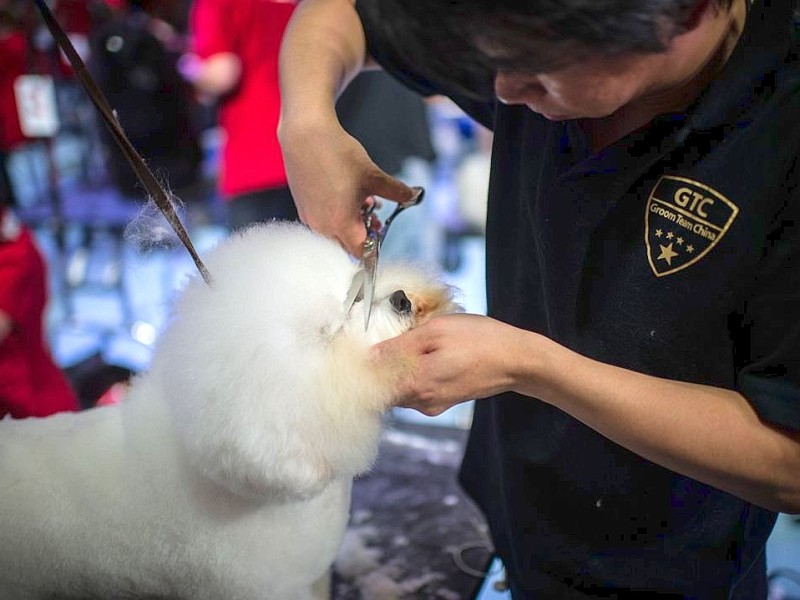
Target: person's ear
point(697, 14)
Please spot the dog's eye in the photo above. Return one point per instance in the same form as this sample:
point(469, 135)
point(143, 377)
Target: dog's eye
point(400, 302)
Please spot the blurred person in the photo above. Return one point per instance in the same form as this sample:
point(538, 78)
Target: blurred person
point(639, 428)
point(75, 17)
point(234, 63)
point(134, 56)
point(12, 65)
point(14, 53)
point(6, 187)
point(31, 384)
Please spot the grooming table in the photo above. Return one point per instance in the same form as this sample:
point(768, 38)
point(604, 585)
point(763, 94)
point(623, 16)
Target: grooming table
point(413, 533)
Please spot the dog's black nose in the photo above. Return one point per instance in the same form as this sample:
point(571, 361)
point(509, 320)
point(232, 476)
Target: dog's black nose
point(400, 301)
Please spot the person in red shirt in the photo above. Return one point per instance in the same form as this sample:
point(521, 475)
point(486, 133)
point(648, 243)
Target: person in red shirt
point(12, 64)
point(13, 57)
point(235, 62)
point(31, 384)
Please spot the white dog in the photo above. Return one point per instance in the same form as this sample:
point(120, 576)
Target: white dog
point(226, 472)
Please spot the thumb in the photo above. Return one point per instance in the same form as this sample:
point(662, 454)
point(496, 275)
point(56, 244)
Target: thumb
point(351, 237)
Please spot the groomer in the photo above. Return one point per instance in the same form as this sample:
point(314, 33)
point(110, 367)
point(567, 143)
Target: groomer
point(640, 367)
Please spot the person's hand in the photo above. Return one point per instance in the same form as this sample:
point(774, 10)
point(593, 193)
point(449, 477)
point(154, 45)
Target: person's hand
point(453, 359)
point(332, 178)
point(189, 66)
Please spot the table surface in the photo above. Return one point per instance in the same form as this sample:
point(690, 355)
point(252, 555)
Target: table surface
point(413, 532)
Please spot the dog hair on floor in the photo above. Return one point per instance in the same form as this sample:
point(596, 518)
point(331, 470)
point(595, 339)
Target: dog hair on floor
point(225, 473)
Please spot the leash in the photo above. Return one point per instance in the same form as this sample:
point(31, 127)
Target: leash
point(153, 187)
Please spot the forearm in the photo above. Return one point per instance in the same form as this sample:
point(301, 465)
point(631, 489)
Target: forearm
point(329, 172)
point(323, 48)
point(710, 434)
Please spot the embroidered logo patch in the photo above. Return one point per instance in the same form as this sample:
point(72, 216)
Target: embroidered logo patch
point(684, 220)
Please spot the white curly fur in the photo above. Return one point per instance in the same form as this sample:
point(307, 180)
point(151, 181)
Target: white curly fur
point(226, 471)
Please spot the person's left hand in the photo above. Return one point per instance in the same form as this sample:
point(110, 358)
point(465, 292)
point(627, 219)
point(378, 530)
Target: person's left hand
point(453, 359)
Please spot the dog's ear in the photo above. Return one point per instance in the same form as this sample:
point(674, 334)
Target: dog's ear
point(273, 433)
point(277, 418)
point(432, 302)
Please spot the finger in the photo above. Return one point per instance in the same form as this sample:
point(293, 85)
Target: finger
point(386, 186)
point(351, 237)
point(345, 226)
point(372, 201)
point(372, 204)
point(376, 224)
point(404, 346)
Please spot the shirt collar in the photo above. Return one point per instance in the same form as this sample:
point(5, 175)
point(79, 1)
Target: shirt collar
point(762, 47)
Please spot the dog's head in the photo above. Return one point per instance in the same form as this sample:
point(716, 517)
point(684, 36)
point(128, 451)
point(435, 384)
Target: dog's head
point(405, 297)
point(267, 374)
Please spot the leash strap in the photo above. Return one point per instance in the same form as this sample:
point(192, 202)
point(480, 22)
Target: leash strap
point(143, 172)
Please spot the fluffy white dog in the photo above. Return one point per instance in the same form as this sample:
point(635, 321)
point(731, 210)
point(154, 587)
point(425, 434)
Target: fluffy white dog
point(226, 472)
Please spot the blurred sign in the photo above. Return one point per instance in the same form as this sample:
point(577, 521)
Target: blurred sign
point(36, 105)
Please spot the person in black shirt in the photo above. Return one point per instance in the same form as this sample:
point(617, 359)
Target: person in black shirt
point(640, 363)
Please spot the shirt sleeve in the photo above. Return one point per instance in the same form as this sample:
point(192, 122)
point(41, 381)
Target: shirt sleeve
point(768, 374)
point(213, 25)
point(15, 263)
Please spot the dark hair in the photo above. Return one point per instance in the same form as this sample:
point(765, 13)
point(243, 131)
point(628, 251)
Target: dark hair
point(467, 41)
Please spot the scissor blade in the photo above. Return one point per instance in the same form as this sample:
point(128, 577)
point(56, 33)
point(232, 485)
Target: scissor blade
point(356, 286)
point(370, 271)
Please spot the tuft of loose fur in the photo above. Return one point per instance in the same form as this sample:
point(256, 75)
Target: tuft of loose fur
point(226, 471)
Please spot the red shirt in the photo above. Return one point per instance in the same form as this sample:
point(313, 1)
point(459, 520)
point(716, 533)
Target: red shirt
point(251, 29)
point(76, 20)
point(13, 57)
point(30, 382)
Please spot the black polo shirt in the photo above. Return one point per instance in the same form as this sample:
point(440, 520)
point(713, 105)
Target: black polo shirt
point(674, 252)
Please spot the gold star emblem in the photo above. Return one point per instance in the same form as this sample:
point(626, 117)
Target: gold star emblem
point(680, 241)
point(659, 233)
point(670, 235)
point(667, 253)
point(690, 248)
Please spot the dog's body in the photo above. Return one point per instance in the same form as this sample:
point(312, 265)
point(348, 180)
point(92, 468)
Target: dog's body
point(226, 471)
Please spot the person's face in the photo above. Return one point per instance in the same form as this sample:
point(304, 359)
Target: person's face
point(593, 87)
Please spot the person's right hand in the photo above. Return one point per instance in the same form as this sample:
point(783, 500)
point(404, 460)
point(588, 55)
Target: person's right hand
point(332, 178)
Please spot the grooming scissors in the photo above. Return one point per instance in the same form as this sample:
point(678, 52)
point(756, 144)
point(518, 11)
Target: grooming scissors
point(363, 283)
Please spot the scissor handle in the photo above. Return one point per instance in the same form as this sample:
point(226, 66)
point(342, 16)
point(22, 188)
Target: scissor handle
point(367, 214)
point(419, 192)
point(370, 245)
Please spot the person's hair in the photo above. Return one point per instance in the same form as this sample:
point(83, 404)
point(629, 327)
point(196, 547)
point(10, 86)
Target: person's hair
point(467, 41)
